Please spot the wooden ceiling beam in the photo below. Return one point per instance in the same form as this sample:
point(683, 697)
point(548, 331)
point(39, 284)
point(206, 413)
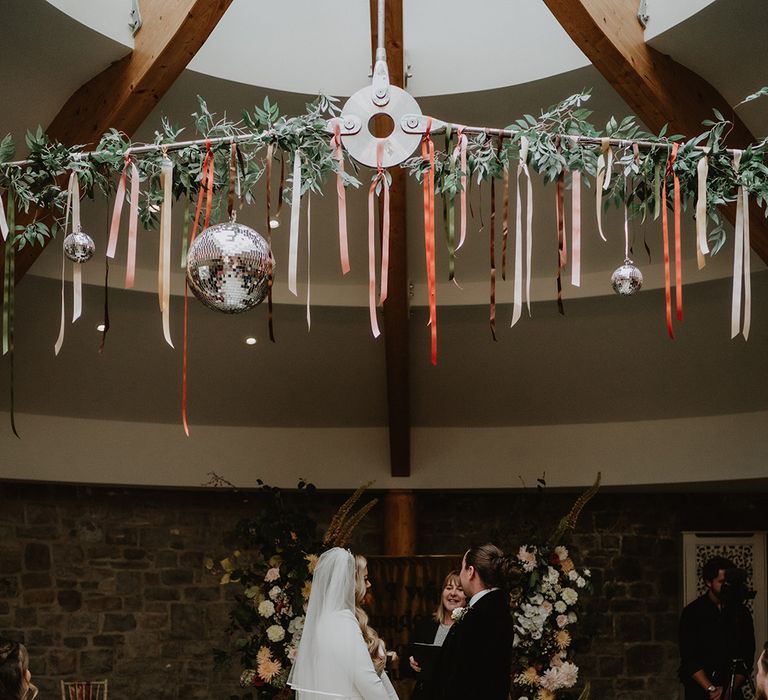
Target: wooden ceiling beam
point(396, 305)
point(123, 95)
point(658, 89)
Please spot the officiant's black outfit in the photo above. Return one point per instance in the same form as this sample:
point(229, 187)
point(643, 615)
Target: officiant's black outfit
point(475, 660)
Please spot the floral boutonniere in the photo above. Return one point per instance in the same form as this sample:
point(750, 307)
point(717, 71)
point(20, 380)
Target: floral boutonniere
point(458, 614)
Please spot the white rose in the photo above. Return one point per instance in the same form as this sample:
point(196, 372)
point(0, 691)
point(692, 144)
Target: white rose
point(275, 633)
point(266, 608)
point(560, 606)
point(573, 574)
point(572, 617)
point(457, 614)
point(562, 553)
point(580, 582)
point(275, 592)
point(562, 620)
point(296, 625)
point(569, 596)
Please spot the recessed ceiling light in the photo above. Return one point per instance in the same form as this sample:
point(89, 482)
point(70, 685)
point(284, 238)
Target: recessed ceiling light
point(250, 341)
point(101, 328)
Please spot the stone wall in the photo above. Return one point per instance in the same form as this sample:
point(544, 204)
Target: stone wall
point(102, 582)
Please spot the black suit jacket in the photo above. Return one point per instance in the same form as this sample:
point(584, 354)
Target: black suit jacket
point(474, 663)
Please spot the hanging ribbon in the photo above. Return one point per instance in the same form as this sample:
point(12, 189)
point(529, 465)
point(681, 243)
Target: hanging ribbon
point(741, 260)
point(77, 270)
point(678, 243)
point(67, 209)
point(504, 218)
point(380, 177)
point(341, 196)
point(293, 242)
point(3, 220)
point(461, 147)
point(9, 303)
point(626, 229)
point(562, 250)
point(133, 226)
point(576, 228)
point(517, 304)
point(114, 229)
point(604, 165)
point(492, 241)
point(164, 257)
point(271, 273)
point(665, 232)
point(309, 256)
point(428, 155)
point(207, 175)
point(185, 230)
point(702, 170)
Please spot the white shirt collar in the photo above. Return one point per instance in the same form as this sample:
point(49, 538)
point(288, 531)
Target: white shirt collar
point(479, 595)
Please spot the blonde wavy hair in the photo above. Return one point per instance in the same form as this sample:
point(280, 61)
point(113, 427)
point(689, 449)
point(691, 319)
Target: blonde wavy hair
point(376, 647)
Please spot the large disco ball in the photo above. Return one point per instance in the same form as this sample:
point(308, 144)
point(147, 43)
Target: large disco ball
point(79, 247)
point(228, 266)
point(627, 279)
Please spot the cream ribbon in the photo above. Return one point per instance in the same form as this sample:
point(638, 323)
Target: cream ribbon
point(164, 266)
point(741, 262)
point(133, 224)
point(702, 170)
point(576, 228)
point(309, 250)
point(3, 220)
point(461, 147)
point(77, 270)
point(522, 167)
point(293, 245)
point(341, 196)
point(604, 166)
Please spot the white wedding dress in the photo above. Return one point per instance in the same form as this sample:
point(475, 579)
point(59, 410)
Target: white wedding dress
point(333, 660)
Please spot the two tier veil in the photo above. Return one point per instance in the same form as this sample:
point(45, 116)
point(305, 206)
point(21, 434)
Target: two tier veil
point(325, 662)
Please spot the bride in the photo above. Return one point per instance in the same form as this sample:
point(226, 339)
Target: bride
point(333, 659)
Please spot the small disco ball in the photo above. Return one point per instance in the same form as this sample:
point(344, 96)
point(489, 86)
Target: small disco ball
point(79, 247)
point(627, 279)
point(228, 266)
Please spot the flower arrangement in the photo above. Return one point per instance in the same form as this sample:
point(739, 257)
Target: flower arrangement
point(545, 605)
point(273, 569)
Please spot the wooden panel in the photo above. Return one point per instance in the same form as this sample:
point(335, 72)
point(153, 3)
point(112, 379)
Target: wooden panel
point(400, 523)
point(658, 89)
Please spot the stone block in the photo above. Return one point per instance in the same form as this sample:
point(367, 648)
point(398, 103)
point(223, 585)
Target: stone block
point(644, 659)
point(5, 608)
point(610, 666)
point(610, 541)
point(82, 623)
point(176, 577)
point(202, 594)
point(89, 532)
point(96, 662)
point(118, 623)
point(133, 553)
point(38, 638)
point(633, 628)
point(103, 603)
point(191, 560)
point(154, 621)
point(25, 617)
point(186, 621)
point(10, 560)
point(108, 640)
point(36, 580)
point(37, 532)
point(70, 600)
point(626, 569)
point(62, 662)
point(158, 593)
point(154, 537)
point(65, 583)
point(68, 554)
point(642, 590)
point(37, 557)
point(41, 514)
point(166, 559)
point(75, 642)
point(100, 551)
point(133, 603)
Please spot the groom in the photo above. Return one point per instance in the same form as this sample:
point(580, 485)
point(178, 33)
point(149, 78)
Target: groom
point(474, 662)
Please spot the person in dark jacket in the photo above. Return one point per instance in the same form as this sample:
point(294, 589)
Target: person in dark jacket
point(714, 631)
point(475, 659)
point(435, 629)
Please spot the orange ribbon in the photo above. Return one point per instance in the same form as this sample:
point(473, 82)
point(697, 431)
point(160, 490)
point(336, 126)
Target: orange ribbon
point(380, 176)
point(428, 154)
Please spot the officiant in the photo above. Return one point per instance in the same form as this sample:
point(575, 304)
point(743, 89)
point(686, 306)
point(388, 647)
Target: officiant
point(431, 633)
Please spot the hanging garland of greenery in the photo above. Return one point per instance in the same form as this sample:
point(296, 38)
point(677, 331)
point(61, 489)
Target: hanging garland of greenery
point(561, 139)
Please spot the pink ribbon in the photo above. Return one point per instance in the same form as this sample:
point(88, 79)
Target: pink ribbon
point(576, 228)
point(114, 229)
point(341, 196)
point(379, 177)
point(133, 223)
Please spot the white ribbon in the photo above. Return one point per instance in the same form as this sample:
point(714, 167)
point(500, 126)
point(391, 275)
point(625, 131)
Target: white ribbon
point(604, 165)
point(77, 271)
point(3, 220)
point(293, 248)
point(164, 258)
point(67, 208)
point(309, 248)
point(702, 170)
point(741, 262)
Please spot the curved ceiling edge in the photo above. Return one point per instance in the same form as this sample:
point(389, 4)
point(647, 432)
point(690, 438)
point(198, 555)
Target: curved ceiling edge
point(108, 17)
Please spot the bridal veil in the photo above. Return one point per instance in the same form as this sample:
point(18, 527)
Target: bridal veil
point(332, 660)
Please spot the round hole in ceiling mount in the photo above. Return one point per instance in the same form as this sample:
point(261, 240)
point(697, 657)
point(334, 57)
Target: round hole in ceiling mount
point(381, 125)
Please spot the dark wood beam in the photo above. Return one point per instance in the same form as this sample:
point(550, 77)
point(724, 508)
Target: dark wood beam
point(396, 304)
point(123, 95)
point(400, 529)
point(657, 88)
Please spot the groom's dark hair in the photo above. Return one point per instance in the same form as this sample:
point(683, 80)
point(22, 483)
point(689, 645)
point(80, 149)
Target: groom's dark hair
point(491, 564)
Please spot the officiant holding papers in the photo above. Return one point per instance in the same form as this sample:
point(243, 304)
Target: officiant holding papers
point(430, 635)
